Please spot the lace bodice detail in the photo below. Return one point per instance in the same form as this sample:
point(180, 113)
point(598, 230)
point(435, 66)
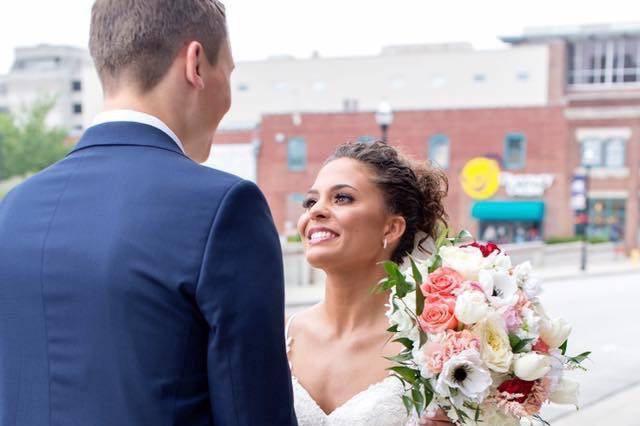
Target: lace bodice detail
point(379, 405)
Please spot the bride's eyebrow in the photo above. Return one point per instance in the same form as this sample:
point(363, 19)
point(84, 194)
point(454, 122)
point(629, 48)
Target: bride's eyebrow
point(333, 188)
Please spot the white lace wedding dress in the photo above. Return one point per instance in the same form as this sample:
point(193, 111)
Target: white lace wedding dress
point(379, 405)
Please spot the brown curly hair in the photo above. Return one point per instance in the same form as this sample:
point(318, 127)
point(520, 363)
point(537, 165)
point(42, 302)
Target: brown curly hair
point(411, 189)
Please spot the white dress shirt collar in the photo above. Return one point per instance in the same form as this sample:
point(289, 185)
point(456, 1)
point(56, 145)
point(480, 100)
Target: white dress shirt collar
point(136, 117)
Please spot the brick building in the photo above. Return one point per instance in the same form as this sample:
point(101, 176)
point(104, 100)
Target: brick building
point(589, 113)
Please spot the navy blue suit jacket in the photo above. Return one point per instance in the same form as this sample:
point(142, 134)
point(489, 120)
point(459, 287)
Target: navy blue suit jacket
point(140, 288)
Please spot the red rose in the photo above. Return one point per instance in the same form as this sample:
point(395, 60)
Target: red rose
point(486, 249)
point(541, 347)
point(516, 385)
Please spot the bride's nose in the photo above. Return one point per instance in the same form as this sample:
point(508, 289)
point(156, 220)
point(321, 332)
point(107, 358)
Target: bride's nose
point(319, 210)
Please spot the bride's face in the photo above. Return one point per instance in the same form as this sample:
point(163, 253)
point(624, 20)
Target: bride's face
point(345, 217)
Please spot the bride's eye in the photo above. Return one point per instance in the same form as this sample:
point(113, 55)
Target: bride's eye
point(308, 203)
point(343, 198)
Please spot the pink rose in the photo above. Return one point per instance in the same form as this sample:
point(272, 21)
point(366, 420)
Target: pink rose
point(512, 319)
point(442, 281)
point(437, 315)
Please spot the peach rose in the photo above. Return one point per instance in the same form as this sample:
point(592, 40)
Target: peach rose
point(442, 281)
point(438, 314)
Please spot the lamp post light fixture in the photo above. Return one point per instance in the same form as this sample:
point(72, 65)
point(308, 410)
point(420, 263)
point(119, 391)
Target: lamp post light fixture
point(589, 159)
point(384, 118)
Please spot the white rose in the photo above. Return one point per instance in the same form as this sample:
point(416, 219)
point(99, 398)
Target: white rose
point(554, 332)
point(566, 392)
point(494, 343)
point(465, 260)
point(530, 285)
point(530, 328)
point(531, 366)
point(471, 307)
point(497, 260)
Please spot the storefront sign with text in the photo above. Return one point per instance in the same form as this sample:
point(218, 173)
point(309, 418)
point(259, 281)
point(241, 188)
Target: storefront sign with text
point(526, 185)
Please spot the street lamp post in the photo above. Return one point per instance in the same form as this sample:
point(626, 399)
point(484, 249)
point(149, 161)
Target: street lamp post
point(588, 160)
point(384, 118)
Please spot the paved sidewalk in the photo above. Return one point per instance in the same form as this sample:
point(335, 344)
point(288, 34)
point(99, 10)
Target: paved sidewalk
point(300, 297)
point(620, 409)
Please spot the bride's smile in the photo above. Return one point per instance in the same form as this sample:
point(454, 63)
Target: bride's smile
point(345, 218)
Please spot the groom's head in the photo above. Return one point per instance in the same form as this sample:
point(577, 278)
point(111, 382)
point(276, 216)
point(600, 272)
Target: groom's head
point(174, 50)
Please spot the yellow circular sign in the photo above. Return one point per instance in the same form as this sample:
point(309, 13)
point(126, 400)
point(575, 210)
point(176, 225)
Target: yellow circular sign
point(480, 178)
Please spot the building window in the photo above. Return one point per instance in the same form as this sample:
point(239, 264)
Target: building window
point(515, 151)
point(522, 75)
point(350, 105)
point(243, 87)
point(607, 219)
point(479, 77)
point(297, 155)
point(439, 150)
point(608, 153)
point(77, 108)
point(76, 86)
point(604, 62)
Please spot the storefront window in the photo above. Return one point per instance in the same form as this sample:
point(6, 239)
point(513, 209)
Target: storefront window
point(510, 232)
point(607, 219)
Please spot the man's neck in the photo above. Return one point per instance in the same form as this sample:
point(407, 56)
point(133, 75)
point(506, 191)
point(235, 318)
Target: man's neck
point(150, 104)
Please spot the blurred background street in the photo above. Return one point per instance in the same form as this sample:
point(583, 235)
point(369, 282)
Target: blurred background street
point(532, 110)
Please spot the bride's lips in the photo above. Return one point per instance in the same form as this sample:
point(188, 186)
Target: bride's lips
point(320, 234)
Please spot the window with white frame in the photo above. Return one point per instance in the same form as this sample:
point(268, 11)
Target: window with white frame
point(609, 153)
point(604, 62)
point(515, 151)
point(297, 155)
point(439, 150)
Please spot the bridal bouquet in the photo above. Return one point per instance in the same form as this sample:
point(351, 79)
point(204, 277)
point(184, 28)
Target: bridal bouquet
point(477, 342)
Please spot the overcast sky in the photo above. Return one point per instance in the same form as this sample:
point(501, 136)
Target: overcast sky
point(261, 28)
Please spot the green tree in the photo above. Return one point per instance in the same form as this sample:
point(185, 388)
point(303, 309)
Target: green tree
point(27, 144)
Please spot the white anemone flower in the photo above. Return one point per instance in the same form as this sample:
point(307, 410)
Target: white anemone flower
point(464, 377)
point(500, 287)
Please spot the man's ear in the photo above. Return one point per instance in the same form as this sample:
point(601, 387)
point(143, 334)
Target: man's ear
point(193, 64)
point(394, 229)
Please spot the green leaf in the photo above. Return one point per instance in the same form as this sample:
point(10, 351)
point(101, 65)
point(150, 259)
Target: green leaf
point(408, 403)
point(463, 236)
point(428, 395)
point(418, 399)
point(518, 344)
point(437, 262)
point(563, 347)
point(579, 358)
point(401, 358)
point(405, 372)
point(393, 329)
point(417, 276)
point(408, 343)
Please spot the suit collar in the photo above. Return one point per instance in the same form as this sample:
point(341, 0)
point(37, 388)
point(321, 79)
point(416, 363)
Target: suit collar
point(125, 133)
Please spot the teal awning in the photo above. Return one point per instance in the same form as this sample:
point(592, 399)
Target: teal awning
point(530, 211)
